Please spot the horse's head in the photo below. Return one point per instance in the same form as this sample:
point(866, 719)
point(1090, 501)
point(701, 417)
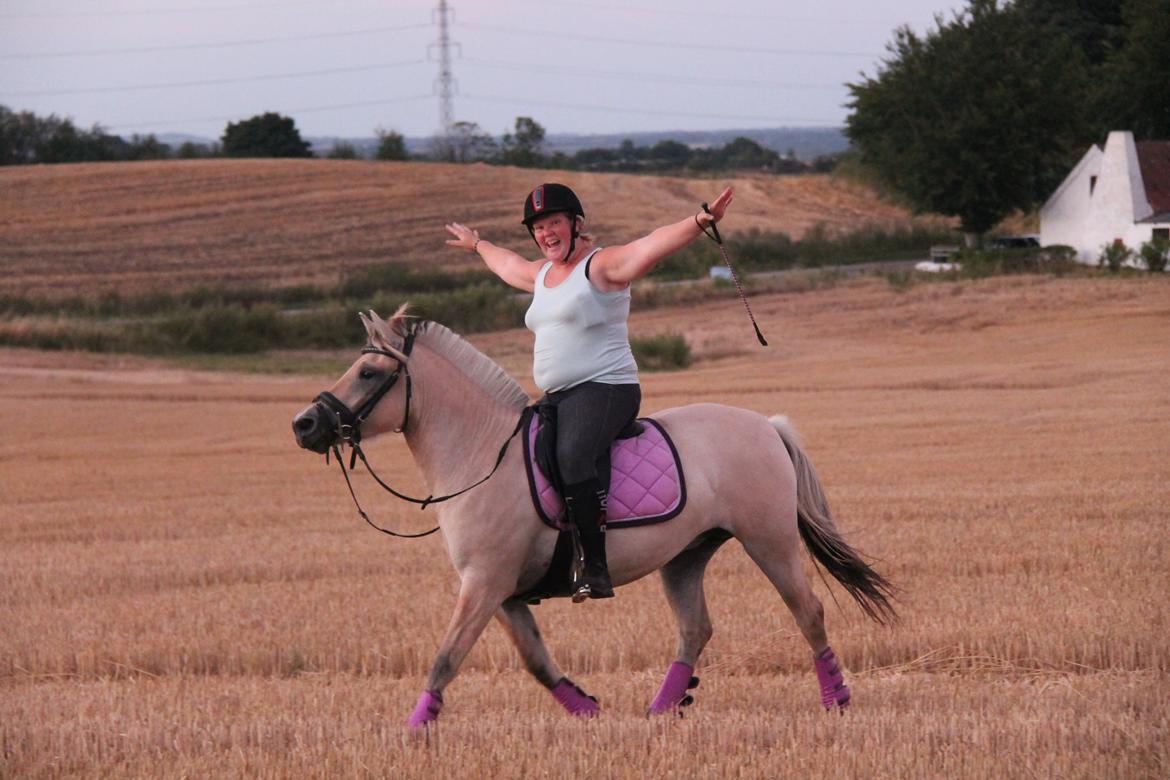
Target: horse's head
point(372, 397)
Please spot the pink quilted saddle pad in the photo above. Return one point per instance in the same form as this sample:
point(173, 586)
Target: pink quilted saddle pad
point(646, 484)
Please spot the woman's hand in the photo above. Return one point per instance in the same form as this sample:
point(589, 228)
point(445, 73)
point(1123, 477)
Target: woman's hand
point(465, 237)
point(718, 208)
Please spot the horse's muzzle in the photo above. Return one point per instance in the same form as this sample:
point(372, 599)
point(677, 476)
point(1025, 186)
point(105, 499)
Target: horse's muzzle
point(314, 428)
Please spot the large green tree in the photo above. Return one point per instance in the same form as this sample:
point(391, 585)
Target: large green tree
point(1134, 84)
point(523, 148)
point(1095, 26)
point(391, 146)
point(265, 135)
point(978, 118)
point(465, 142)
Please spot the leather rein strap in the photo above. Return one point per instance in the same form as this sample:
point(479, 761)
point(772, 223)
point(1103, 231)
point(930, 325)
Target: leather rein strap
point(349, 431)
point(713, 234)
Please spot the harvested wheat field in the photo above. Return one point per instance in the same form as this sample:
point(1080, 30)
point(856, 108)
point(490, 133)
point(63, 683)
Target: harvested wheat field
point(175, 223)
point(186, 594)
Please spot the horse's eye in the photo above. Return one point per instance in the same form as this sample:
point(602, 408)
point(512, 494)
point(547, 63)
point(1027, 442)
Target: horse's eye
point(367, 373)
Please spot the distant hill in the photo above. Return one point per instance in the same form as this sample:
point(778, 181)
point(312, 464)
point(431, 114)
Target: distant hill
point(807, 143)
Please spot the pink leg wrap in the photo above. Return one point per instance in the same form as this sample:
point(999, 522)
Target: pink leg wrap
point(834, 691)
point(575, 700)
point(673, 692)
point(427, 709)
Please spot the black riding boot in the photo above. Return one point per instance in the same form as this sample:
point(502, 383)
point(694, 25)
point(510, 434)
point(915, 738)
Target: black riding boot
point(585, 504)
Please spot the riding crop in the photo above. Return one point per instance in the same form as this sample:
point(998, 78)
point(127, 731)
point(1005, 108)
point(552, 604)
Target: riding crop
point(713, 234)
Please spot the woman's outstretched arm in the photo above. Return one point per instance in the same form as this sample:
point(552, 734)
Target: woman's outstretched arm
point(614, 267)
point(504, 263)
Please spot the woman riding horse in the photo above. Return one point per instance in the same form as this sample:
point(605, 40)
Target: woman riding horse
point(582, 358)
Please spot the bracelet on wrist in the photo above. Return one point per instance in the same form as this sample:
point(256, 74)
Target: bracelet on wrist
point(475, 246)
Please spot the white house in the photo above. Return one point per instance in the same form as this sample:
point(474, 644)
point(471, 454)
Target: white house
point(1121, 192)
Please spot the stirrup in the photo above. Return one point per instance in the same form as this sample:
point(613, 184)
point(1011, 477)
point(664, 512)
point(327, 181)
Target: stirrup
point(585, 591)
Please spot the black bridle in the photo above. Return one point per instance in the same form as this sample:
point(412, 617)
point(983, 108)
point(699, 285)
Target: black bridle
point(348, 429)
point(349, 422)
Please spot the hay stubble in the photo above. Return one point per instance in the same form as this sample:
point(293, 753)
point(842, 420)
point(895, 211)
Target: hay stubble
point(184, 593)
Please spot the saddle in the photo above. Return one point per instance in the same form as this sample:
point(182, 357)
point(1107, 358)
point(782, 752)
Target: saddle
point(646, 483)
point(646, 486)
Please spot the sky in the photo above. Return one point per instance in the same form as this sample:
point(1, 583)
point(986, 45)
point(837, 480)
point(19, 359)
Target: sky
point(349, 67)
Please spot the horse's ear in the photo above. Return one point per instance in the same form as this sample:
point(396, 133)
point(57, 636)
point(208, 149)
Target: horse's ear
point(368, 323)
point(399, 321)
point(377, 329)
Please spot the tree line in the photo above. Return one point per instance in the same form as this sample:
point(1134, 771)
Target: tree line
point(27, 138)
point(524, 147)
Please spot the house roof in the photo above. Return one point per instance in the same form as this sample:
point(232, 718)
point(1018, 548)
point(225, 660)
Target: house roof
point(1154, 160)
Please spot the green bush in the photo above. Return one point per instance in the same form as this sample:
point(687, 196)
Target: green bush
point(467, 310)
point(664, 352)
point(1114, 255)
point(336, 325)
point(1154, 254)
point(980, 263)
point(366, 282)
point(64, 335)
point(900, 280)
point(756, 250)
point(231, 329)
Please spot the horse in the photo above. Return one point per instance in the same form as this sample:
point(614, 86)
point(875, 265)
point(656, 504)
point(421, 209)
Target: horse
point(747, 478)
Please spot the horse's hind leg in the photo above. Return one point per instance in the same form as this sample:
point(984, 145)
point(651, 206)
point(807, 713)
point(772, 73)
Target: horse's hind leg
point(518, 621)
point(682, 579)
point(778, 555)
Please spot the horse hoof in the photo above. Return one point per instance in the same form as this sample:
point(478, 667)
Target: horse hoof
point(575, 701)
point(426, 711)
point(840, 700)
point(673, 696)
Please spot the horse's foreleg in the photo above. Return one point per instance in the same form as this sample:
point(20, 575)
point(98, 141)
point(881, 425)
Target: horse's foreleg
point(520, 624)
point(477, 601)
point(682, 579)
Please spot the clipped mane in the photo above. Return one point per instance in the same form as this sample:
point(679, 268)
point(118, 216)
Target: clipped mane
point(475, 365)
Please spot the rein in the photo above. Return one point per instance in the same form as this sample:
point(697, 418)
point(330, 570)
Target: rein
point(348, 430)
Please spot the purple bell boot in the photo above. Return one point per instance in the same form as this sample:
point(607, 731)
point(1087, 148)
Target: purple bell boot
point(574, 700)
point(834, 691)
point(673, 693)
point(427, 709)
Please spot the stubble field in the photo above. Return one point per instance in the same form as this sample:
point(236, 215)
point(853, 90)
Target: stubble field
point(172, 224)
point(184, 593)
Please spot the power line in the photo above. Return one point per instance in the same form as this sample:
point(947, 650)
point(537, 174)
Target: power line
point(723, 13)
point(657, 78)
point(213, 82)
point(647, 111)
point(308, 110)
point(211, 45)
point(665, 44)
point(158, 11)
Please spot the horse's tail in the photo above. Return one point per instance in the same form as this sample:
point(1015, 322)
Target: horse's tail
point(870, 590)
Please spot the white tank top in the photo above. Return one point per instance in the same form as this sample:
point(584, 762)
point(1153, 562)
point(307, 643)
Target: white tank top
point(581, 333)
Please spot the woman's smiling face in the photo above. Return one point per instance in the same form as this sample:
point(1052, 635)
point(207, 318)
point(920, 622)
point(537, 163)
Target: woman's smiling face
point(554, 234)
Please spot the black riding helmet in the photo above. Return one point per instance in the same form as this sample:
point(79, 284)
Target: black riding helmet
point(551, 199)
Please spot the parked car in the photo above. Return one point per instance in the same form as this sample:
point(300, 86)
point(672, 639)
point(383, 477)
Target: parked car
point(940, 255)
point(1013, 242)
